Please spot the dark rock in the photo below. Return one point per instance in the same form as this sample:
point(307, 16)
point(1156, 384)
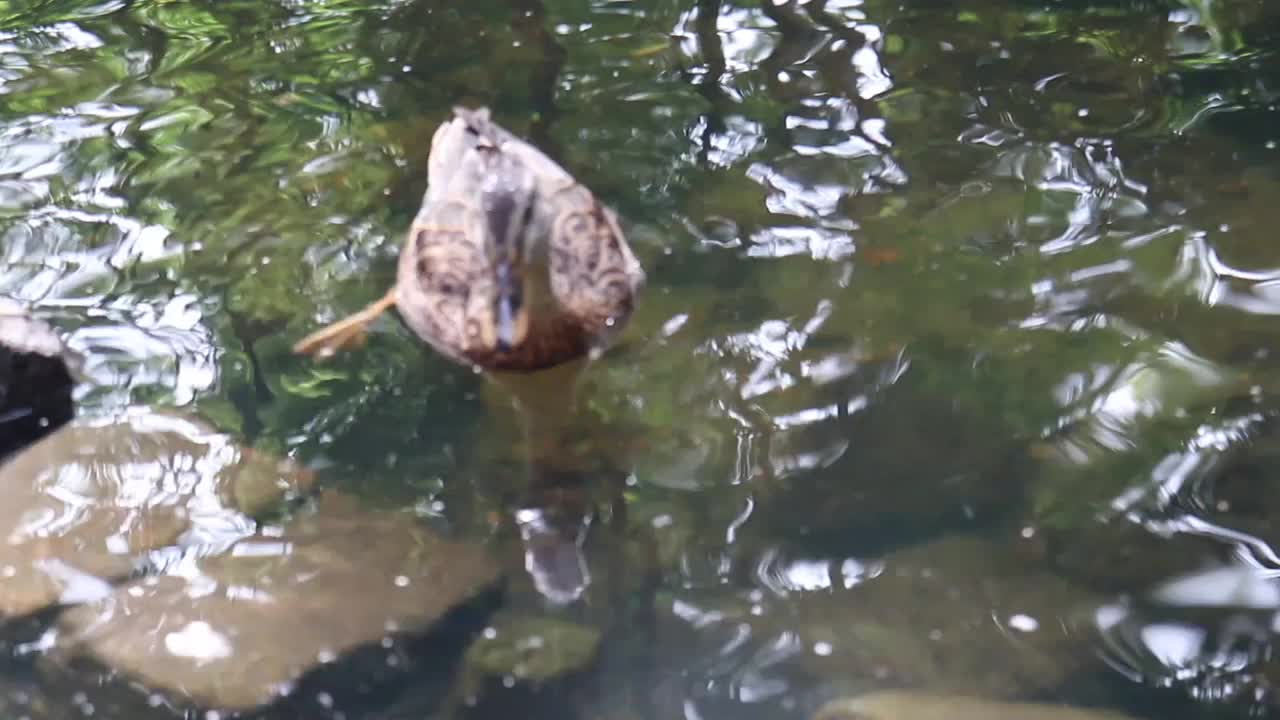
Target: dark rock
point(35, 379)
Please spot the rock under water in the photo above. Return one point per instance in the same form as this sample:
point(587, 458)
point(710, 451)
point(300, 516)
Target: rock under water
point(84, 505)
point(240, 628)
point(926, 706)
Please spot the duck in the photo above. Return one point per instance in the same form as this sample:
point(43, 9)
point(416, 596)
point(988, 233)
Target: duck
point(510, 263)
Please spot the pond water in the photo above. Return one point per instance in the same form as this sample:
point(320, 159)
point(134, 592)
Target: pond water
point(954, 371)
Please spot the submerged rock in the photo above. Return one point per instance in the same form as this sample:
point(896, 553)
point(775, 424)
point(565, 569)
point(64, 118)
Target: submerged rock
point(860, 481)
point(1119, 555)
point(240, 628)
point(83, 505)
point(958, 615)
point(925, 706)
point(529, 649)
point(35, 378)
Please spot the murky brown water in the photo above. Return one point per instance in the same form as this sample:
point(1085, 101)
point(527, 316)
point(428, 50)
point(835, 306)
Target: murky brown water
point(954, 372)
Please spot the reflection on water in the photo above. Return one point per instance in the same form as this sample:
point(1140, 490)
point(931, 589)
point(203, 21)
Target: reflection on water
point(1209, 633)
point(85, 502)
point(959, 329)
point(553, 556)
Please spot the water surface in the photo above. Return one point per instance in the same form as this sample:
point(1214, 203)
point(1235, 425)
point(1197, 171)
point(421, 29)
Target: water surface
point(957, 342)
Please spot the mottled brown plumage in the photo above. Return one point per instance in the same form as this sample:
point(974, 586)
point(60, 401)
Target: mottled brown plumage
point(510, 263)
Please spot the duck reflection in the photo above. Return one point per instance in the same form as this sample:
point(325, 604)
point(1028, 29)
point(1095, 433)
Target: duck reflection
point(553, 555)
point(552, 507)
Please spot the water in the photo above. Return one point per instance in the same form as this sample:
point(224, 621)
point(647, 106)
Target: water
point(957, 342)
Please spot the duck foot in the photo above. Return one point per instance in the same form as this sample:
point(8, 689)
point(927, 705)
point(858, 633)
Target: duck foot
point(345, 333)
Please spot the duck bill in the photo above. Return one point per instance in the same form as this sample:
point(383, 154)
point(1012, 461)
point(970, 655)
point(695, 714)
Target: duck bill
point(511, 318)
